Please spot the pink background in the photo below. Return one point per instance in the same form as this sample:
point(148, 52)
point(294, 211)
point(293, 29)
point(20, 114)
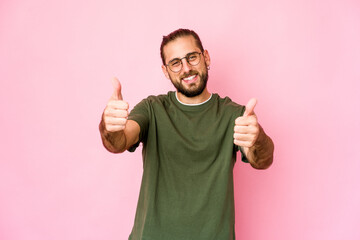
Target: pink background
point(300, 58)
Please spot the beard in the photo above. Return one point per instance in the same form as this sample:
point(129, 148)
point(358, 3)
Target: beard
point(192, 91)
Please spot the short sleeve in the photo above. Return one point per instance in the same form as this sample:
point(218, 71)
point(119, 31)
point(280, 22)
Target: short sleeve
point(240, 113)
point(243, 156)
point(140, 114)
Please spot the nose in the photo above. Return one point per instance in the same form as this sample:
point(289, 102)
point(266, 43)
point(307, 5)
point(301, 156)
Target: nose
point(186, 66)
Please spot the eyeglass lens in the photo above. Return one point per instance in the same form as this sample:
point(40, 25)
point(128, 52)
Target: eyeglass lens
point(176, 64)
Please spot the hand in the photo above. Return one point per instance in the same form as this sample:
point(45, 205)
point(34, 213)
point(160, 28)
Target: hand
point(246, 130)
point(116, 111)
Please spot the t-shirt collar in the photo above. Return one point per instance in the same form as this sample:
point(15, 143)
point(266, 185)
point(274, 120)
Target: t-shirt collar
point(192, 104)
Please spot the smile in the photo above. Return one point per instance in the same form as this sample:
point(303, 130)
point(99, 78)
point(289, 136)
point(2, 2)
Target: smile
point(190, 79)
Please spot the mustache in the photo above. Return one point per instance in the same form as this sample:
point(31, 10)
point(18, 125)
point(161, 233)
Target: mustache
point(190, 73)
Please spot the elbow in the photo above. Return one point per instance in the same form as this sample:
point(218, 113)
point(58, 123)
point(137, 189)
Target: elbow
point(265, 164)
point(115, 150)
point(262, 165)
point(112, 148)
point(266, 160)
point(263, 155)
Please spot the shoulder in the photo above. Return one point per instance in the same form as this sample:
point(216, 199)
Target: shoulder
point(156, 100)
point(226, 102)
point(159, 98)
point(227, 106)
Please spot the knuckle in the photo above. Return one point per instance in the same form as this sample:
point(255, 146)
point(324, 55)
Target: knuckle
point(106, 119)
point(124, 113)
point(109, 128)
point(123, 121)
point(107, 111)
point(111, 103)
point(239, 120)
point(253, 120)
point(123, 104)
point(248, 144)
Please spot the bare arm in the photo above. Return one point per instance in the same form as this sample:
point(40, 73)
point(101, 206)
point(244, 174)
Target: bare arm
point(250, 136)
point(117, 133)
point(120, 141)
point(260, 155)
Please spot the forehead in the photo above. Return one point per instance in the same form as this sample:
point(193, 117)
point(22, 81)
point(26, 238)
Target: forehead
point(179, 47)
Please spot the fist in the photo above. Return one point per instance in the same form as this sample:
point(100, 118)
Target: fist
point(246, 130)
point(116, 111)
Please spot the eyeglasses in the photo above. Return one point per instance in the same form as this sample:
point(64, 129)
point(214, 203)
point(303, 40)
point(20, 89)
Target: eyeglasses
point(192, 58)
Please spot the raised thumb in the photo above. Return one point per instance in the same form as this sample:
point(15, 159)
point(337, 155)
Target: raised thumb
point(117, 89)
point(249, 109)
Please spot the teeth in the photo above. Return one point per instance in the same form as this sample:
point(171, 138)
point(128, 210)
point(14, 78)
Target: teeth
point(190, 78)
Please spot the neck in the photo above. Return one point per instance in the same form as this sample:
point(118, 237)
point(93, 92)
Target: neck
point(194, 100)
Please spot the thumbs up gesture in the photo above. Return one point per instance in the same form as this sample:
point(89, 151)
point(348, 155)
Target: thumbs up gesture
point(246, 130)
point(116, 111)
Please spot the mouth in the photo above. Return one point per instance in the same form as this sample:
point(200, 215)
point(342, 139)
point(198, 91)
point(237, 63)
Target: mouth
point(190, 79)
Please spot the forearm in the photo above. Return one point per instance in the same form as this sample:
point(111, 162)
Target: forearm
point(260, 155)
point(114, 142)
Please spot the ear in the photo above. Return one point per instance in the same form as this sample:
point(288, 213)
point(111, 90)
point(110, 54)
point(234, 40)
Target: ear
point(207, 58)
point(165, 71)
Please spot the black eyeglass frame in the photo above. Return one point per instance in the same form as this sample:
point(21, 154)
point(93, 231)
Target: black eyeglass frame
point(187, 60)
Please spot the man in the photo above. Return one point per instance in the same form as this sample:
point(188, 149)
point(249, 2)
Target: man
point(190, 138)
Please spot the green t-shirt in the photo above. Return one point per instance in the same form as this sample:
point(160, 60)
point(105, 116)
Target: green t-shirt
point(188, 158)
